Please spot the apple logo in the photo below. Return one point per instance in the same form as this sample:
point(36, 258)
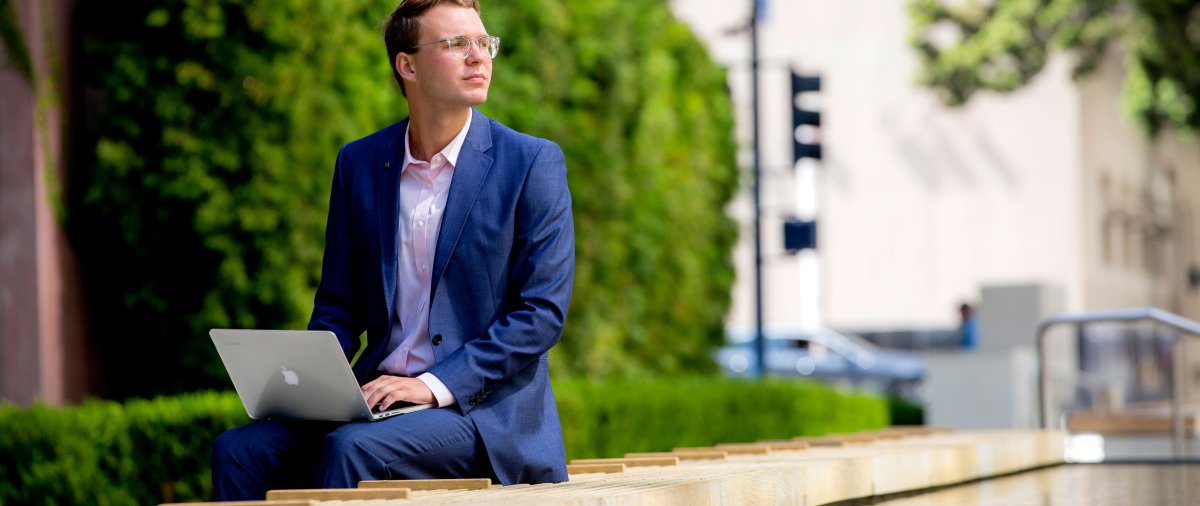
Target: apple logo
point(290, 377)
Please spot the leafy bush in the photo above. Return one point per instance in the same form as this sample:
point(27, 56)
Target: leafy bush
point(205, 149)
point(101, 452)
point(200, 190)
point(611, 419)
point(151, 451)
point(904, 412)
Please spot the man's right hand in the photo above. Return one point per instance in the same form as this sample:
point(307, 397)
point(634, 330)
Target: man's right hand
point(385, 390)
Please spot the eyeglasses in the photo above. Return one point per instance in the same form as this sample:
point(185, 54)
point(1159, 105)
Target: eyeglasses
point(461, 46)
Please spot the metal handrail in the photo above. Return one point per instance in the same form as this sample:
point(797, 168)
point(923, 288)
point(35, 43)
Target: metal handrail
point(1125, 315)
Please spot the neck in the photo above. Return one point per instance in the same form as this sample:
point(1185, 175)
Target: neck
point(431, 131)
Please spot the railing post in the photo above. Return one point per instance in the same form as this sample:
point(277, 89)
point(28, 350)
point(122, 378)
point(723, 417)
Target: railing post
point(1178, 446)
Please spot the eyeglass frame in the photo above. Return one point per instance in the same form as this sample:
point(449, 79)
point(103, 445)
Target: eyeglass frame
point(493, 40)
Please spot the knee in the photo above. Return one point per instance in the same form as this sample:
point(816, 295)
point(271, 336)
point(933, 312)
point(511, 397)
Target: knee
point(342, 445)
point(228, 447)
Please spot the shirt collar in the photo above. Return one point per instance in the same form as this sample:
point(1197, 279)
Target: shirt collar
point(450, 152)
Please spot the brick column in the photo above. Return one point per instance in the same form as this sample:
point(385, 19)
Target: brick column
point(44, 350)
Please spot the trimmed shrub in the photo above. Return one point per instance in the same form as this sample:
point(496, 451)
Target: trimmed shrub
point(205, 147)
point(904, 412)
point(611, 419)
point(153, 451)
point(102, 452)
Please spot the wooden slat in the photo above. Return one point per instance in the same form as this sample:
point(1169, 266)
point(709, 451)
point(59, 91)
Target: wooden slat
point(683, 456)
point(1127, 423)
point(820, 441)
point(242, 503)
point(339, 494)
point(855, 438)
point(446, 484)
point(783, 445)
point(632, 461)
point(595, 468)
point(733, 449)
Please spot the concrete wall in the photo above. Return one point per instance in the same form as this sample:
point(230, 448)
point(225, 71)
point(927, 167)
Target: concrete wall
point(44, 353)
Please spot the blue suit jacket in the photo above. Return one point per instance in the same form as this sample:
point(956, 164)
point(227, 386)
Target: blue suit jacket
point(502, 278)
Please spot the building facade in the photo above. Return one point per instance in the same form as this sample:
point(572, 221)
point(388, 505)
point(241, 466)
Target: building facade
point(919, 205)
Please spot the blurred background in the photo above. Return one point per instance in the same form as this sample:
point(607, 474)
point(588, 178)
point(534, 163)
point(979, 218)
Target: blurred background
point(935, 179)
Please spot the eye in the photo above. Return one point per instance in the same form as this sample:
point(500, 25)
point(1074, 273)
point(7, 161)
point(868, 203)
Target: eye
point(459, 43)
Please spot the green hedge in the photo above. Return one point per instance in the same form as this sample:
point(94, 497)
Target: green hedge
point(611, 419)
point(207, 135)
point(150, 451)
point(102, 452)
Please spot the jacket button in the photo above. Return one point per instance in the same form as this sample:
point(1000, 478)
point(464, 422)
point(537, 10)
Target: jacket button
point(437, 339)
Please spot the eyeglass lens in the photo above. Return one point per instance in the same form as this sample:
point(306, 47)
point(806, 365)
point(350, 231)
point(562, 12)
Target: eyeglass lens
point(489, 46)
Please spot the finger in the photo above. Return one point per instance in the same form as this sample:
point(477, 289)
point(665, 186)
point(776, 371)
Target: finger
point(378, 388)
point(415, 391)
point(377, 382)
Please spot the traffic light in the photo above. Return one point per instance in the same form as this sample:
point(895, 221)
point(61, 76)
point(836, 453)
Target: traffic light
point(799, 235)
point(805, 122)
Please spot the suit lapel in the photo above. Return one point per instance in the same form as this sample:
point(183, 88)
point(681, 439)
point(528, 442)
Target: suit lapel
point(388, 213)
point(474, 162)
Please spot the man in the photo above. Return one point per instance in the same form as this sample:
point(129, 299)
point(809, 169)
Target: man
point(450, 243)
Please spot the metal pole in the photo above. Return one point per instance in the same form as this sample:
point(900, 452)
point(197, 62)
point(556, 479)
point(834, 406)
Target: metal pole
point(1178, 447)
point(759, 341)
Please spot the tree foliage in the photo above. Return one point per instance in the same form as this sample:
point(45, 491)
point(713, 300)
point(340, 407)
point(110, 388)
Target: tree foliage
point(1001, 45)
point(204, 152)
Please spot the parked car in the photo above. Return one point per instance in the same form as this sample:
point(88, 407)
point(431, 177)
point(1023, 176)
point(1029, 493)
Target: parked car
point(825, 354)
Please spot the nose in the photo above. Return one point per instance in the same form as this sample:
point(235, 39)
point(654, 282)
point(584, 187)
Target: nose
point(474, 52)
point(474, 55)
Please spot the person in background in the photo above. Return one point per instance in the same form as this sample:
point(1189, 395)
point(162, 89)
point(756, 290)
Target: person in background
point(968, 326)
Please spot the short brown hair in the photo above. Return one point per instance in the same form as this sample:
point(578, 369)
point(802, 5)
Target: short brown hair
point(403, 28)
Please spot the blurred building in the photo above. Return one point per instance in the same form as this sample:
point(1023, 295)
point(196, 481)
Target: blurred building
point(920, 206)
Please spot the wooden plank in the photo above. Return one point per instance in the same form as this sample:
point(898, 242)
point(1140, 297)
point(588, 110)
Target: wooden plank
point(855, 438)
point(338, 494)
point(1127, 423)
point(683, 456)
point(734, 449)
point(784, 445)
point(820, 441)
point(632, 461)
point(444, 484)
point(595, 468)
point(736, 446)
point(243, 503)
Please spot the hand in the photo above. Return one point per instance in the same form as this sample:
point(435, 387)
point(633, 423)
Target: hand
point(387, 389)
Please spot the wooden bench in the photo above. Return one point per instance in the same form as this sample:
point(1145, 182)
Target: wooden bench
point(763, 472)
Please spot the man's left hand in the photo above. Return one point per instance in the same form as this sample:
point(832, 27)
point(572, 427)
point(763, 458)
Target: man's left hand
point(387, 389)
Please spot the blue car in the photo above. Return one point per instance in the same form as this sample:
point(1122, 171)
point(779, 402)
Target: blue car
point(824, 354)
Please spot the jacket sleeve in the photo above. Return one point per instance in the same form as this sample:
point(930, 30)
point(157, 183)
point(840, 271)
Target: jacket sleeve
point(334, 307)
point(541, 276)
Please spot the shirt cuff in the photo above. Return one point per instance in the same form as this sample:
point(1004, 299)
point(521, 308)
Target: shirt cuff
point(443, 395)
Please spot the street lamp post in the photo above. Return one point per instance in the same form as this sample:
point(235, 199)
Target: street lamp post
point(759, 340)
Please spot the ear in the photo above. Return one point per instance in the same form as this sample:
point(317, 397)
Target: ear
point(405, 66)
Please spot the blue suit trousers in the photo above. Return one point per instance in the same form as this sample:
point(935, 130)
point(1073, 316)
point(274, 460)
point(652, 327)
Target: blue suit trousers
point(269, 454)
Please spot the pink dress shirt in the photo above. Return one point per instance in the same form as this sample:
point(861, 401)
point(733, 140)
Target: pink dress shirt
point(424, 186)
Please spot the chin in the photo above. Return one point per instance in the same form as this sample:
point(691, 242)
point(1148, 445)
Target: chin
point(477, 98)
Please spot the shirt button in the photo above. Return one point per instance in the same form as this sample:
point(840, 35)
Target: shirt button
point(437, 339)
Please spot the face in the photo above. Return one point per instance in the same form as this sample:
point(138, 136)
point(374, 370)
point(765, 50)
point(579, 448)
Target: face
point(437, 78)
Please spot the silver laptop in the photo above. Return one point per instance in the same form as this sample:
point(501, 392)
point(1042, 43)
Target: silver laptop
point(295, 374)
